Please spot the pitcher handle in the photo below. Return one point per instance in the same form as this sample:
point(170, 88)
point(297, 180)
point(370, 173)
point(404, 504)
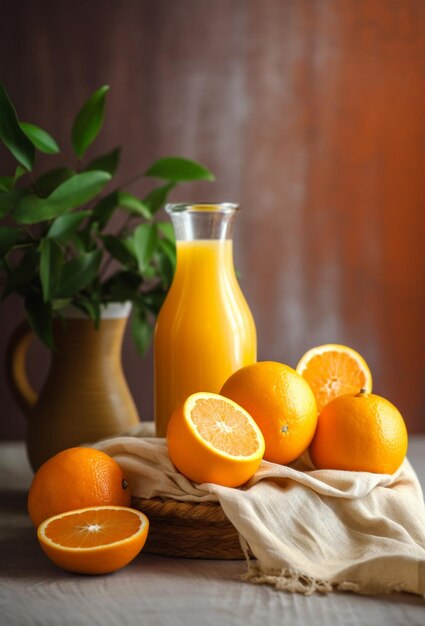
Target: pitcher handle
point(21, 388)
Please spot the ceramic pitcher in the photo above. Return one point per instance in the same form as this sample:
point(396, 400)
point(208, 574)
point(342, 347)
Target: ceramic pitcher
point(85, 396)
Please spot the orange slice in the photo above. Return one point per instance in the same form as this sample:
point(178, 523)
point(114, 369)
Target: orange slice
point(211, 439)
point(94, 540)
point(333, 370)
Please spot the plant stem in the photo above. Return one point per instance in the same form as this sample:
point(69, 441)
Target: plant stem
point(7, 266)
point(34, 184)
point(105, 267)
point(28, 232)
point(109, 259)
point(132, 180)
point(19, 246)
point(125, 223)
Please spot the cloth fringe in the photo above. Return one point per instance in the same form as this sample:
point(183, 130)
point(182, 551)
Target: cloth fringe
point(286, 580)
point(294, 582)
point(282, 579)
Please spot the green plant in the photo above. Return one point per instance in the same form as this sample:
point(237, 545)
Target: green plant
point(56, 246)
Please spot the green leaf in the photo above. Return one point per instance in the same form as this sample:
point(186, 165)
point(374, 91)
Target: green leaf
point(72, 193)
point(144, 241)
point(80, 243)
point(11, 133)
point(157, 197)
point(141, 330)
point(7, 183)
point(122, 286)
point(48, 182)
point(22, 274)
point(107, 162)
point(78, 273)
point(64, 226)
point(119, 249)
point(41, 140)
point(154, 299)
point(8, 237)
point(84, 240)
point(9, 200)
point(166, 268)
point(90, 308)
point(166, 228)
point(19, 172)
point(133, 205)
point(150, 272)
point(103, 210)
point(177, 169)
point(51, 262)
point(89, 121)
point(40, 318)
point(60, 303)
point(169, 249)
point(30, 209)
point(79, 189)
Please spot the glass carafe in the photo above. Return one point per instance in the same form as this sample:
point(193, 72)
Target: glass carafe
point(205, 330)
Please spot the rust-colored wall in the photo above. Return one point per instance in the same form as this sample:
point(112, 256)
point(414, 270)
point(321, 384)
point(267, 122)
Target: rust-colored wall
point(311, 114)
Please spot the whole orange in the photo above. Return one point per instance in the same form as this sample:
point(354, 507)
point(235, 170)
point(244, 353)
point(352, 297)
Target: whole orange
point(282, 404)
point(74, 479)
point(361, 432)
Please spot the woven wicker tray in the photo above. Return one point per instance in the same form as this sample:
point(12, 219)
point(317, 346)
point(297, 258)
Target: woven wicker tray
point(184, 529)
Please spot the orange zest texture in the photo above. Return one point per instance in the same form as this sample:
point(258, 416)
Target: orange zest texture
point(212, 439)
point(94, 540)
point(333, 370)
point(362, 432)
point(73, 479)
point(281, 403)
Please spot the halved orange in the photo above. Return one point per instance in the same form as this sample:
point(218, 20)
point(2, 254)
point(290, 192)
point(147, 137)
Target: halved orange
point(211, 439)
point(334, 370)
point(94, 540)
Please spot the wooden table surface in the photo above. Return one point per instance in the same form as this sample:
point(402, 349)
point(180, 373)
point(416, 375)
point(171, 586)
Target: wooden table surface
point(162, 591)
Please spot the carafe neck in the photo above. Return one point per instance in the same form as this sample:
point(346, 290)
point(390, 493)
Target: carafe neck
point(193, 222)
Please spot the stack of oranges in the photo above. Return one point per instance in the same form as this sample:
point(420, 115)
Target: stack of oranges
point(79, 499)
point(269, 410)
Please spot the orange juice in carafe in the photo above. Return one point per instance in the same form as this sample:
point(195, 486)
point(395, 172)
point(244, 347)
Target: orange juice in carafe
point(205, 330)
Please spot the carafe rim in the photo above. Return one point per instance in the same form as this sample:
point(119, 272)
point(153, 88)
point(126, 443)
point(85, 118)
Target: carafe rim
point(202, 207)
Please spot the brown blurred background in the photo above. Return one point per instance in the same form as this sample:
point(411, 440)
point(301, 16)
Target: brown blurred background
point(311, 113)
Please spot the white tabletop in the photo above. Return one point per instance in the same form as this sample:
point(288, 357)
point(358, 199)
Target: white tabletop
point(161, 591)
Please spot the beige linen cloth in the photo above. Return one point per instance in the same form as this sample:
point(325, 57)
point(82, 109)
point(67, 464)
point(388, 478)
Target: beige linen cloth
point(309, 530)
